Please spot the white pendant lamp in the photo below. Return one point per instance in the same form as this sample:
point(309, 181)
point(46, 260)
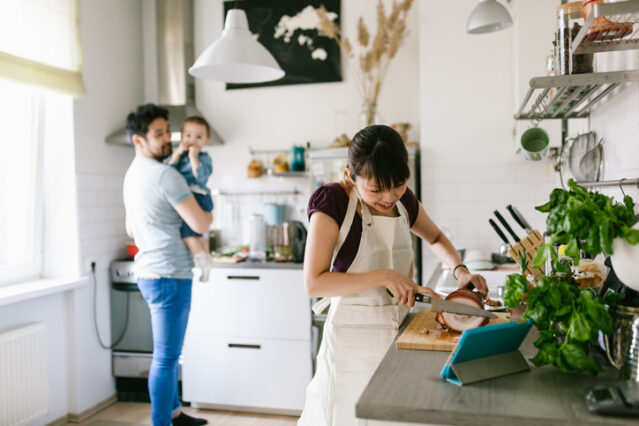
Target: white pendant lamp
point(488, 16)
point(236, 57)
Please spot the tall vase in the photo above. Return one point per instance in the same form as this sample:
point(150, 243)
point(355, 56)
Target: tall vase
point(368, 116)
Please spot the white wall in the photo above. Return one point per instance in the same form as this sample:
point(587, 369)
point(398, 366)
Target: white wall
point(112, 44)
point(469, 93)
point(616, 120)
point(79, 370)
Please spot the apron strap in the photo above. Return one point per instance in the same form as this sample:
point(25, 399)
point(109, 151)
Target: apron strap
point(351, 210)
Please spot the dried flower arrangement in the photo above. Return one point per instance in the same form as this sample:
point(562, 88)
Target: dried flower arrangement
point(375, 53)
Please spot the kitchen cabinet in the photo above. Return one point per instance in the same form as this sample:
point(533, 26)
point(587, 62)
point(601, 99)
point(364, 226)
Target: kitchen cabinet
point(248, 342)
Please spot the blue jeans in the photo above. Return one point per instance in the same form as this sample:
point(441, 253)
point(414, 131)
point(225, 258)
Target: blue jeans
point(169, 301)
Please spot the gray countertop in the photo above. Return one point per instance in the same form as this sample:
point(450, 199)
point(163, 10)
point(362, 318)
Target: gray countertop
point(407, 387)
point(260, 265)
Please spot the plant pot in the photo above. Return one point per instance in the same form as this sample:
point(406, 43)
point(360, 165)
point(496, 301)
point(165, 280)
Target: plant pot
point(625, 261)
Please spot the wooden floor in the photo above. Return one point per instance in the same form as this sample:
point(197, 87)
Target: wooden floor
point(123, 413)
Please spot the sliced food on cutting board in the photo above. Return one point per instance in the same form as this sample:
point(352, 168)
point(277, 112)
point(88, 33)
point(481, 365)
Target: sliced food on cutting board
point(424, 333)
point(457, 322)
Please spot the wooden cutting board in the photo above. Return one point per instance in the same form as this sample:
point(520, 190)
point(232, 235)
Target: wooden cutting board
point(423, 333)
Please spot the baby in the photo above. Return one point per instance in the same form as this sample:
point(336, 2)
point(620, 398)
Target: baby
point(196, 167)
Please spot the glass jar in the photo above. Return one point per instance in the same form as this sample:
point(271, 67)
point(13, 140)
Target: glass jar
point(570, 20)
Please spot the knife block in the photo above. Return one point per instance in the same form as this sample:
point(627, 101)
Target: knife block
point(530, 243)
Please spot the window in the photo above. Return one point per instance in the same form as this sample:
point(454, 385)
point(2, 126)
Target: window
point(29, 117)
point(40, 71)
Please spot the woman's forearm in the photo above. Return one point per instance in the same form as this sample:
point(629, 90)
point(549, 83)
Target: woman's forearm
point(445, 251)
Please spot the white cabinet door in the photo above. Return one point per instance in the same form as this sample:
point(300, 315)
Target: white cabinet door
point(264, 373)
point(262, 303)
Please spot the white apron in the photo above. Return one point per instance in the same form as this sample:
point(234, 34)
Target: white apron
point(359, 328)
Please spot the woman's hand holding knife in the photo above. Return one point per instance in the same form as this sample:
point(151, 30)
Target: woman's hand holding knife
point(403, 289)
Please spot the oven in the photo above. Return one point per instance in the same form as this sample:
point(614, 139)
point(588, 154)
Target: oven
point(131, 334)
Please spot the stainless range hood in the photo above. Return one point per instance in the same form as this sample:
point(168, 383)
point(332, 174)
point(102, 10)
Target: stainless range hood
point(168, 53)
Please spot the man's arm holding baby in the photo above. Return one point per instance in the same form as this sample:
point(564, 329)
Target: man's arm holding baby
point(191, 212)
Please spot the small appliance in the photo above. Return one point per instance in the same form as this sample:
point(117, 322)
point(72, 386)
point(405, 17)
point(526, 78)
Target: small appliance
point(131, 357)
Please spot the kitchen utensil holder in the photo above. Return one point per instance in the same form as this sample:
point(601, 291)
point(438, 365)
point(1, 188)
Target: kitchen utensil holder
point(530, 243)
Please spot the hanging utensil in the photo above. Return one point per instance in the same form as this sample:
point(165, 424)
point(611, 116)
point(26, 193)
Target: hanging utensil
point(579, 147)
point(590, 163)
point(519, 218)
point(506, 226)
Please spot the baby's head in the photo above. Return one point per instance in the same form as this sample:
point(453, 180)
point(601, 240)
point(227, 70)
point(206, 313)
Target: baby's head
point(196, 131)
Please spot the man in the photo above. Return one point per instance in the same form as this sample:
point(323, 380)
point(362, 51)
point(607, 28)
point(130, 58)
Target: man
point(157, 199)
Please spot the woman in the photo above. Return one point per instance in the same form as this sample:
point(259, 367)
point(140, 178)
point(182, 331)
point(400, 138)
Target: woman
point(358, 247)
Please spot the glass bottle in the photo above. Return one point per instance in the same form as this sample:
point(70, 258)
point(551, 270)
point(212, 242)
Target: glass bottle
point(570, 20)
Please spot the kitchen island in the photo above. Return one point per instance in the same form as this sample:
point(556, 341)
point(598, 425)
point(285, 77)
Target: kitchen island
point(407, 388)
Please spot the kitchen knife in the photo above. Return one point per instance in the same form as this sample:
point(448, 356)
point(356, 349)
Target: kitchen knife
point(519, 218)
point(498, 231)
point(506, 225)
point(424, 301)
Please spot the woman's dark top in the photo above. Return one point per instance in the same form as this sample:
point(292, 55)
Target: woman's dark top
point(332, 200)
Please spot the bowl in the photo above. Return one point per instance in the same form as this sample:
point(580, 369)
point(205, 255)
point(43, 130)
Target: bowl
point(132, 249)
point(624, 261)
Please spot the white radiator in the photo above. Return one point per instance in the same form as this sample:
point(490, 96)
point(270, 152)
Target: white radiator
point(24, 394)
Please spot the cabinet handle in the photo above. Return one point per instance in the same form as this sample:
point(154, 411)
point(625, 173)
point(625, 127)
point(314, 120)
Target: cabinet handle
point(242, 277)
point(244, 346)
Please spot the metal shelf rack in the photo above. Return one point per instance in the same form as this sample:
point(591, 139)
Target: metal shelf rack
point(609, 27)
point(569, 96)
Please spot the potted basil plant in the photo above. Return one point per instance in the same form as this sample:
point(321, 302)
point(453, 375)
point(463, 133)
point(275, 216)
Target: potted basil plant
point(570, 318)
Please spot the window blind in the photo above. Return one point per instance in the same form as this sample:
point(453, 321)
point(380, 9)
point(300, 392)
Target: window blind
point(40, 44)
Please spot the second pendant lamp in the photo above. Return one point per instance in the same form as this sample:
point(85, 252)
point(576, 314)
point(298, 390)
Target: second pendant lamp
point(236, 57)
point(488, 16)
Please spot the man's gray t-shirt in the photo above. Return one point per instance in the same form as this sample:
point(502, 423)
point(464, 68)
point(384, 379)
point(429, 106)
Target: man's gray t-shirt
point(151, 189)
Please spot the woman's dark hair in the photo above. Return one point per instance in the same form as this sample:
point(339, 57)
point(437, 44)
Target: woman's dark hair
point(199, 120)
point(137, 122)
point(378, 152)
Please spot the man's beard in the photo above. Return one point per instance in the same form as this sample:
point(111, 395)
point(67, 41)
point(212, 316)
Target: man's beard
point(165, 152)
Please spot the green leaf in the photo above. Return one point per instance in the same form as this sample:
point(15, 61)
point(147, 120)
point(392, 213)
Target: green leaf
point(579, 328)
point(545, 336)
point(599, 316)
point(628, 202)
point(539, 314)
point(611, 298)
point(543, 252)
point(514, 289)
point(633, 236)
point(578, 359)
point(544, 208)
point(572, 248)
point(605, 235)
point(592, 242)
point(564, 310)
point(553, 297)
point(547, 354)
point(563, 365)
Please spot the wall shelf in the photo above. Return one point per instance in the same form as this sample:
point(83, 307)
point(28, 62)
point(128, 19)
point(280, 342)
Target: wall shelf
point(569, 96)
point(609, 27)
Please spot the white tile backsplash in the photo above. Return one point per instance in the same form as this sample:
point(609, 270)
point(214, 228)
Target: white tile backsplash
point(102, 218)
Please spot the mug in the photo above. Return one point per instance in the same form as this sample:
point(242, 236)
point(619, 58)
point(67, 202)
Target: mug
point(534, 144)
